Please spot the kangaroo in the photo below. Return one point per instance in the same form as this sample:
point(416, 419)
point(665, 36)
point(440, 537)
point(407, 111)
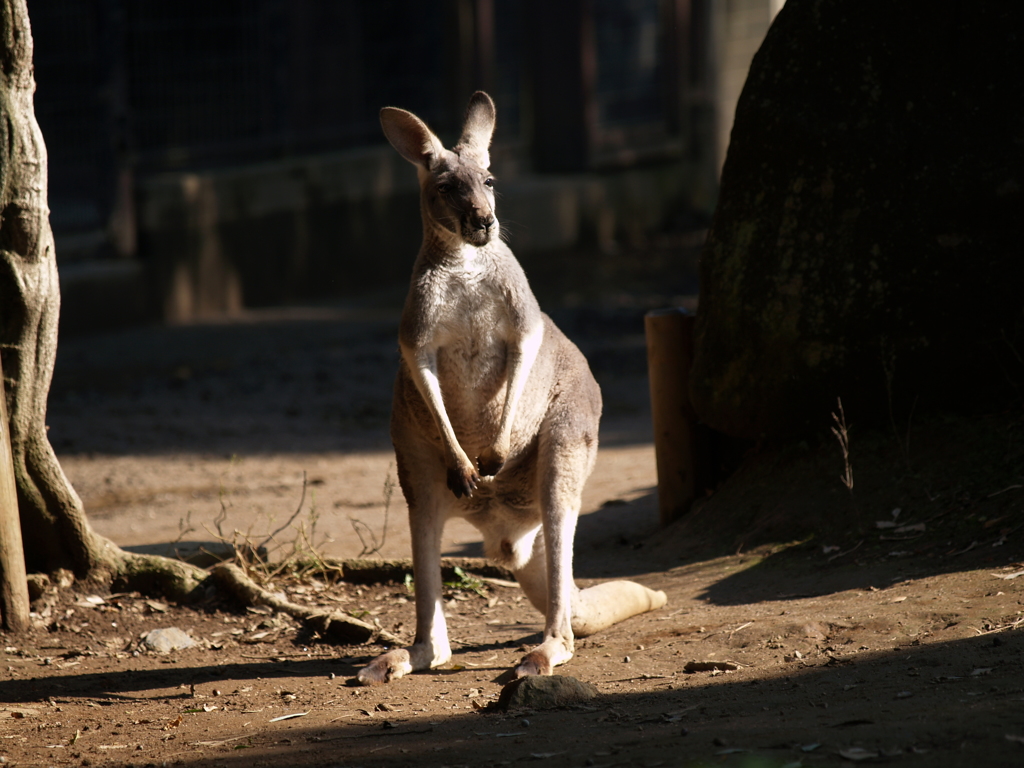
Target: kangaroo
point(495, 412)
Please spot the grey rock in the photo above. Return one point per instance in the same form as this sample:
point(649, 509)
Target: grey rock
point(167, 640)
point(543, 692)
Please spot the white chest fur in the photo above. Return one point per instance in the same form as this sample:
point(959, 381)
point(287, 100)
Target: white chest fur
point(467, 307)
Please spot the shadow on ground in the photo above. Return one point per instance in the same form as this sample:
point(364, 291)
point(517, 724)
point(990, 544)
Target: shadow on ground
point(812, 716)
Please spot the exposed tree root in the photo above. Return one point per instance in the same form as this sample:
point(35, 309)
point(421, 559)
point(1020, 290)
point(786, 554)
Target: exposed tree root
point(365, 571)
point(334, 626)
point(156, 575)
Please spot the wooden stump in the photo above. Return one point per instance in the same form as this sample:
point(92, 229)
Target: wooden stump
point(14, 603)
point(677, 439)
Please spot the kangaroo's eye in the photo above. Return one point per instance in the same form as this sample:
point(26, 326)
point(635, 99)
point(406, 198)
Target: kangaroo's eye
point(488, 182)
point(444, 189)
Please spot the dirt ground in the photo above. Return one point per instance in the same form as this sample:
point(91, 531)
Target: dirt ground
point(829, 627)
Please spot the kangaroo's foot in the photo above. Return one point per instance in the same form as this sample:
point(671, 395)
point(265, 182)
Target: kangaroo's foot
point(385, 668)
point(545, 657)
point(400, 662)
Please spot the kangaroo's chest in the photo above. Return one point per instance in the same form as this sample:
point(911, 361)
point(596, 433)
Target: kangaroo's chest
point(471, 332)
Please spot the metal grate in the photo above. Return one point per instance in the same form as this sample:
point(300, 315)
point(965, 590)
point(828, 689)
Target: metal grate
point(238, 80)
point(68, 108)
point(629, 61)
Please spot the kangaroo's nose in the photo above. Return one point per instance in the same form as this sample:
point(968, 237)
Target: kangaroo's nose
point(484, 221)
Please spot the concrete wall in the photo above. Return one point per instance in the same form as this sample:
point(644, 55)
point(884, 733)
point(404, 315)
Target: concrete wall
point(338, 224)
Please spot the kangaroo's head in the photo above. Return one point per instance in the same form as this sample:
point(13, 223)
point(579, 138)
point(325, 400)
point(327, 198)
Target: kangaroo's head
point(456, 187)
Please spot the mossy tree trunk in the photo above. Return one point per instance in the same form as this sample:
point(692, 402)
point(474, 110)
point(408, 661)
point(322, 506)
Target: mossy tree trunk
point(55, 529)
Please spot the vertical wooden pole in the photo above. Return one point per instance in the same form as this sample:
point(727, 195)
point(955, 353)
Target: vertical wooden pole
point(14, 605)
point(669, 355)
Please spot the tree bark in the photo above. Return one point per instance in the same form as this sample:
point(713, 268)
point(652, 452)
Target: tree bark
point(53, 522)
point(14, 605)
point(55, 530)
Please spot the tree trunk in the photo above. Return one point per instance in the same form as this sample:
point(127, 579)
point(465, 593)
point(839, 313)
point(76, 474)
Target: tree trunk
point(55, 529)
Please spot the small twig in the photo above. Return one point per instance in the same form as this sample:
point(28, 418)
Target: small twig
point(1012, 625)
point(842, 554)
point(289, 716)
point(968, 548)
point(185, 527)
point(638, 677)
point(335, 625)
point(374, 547)
point(298, 509)
point(1007, 488)
point(218, 521)
point(1008, 576)
point(842, 435)
point(496, 582)
point(741, 626)
point(389, 733)
point(273, 656)
point(219, 742)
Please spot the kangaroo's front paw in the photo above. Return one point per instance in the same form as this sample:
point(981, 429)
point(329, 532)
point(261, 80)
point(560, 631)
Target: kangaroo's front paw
point(490, 462)
point(385, 668)
point(463, 481)
point(533, 663)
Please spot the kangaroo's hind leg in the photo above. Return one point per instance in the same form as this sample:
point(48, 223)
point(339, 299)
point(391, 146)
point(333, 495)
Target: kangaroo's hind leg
point(429, 501)
point(564, 461)
point(547, 578)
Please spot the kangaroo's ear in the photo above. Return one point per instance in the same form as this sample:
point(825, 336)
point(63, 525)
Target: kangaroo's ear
point(478, 128)
point(411, 137)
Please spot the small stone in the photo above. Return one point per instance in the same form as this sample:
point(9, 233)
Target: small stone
point(167, 640)
point(543, 692)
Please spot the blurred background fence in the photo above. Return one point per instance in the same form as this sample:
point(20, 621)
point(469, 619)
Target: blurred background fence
point(206, 156)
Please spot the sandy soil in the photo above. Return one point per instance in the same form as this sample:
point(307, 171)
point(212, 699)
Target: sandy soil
point(830, 629)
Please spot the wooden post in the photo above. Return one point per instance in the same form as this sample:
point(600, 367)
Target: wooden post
point(669, 355)
point(14, 605)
